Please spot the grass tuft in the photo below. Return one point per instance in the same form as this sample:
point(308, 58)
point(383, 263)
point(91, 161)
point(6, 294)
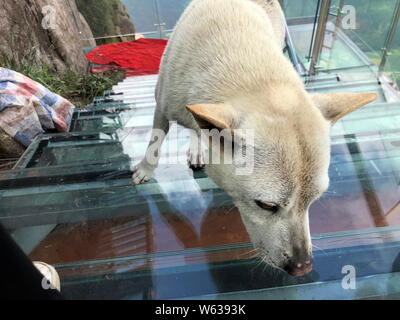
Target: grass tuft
point(80, 89)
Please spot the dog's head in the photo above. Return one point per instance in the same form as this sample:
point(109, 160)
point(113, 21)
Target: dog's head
point(291, 154)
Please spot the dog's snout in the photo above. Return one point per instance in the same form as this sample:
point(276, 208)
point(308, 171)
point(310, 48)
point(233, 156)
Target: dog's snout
point(298, 268)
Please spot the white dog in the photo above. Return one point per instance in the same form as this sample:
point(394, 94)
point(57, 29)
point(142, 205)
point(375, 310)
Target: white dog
point(224, 68)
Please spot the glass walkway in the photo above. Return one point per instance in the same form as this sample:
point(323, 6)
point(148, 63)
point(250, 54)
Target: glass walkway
point(69, 200)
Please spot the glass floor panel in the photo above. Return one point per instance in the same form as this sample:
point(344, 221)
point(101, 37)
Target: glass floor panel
point(69, 202)
point(105, 116)
point(226, 272)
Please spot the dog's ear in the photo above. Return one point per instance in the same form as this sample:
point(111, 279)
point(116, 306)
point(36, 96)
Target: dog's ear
point(210, 116)
point(336, 105)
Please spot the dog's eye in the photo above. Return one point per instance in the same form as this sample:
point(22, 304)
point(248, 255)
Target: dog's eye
point(268, 206)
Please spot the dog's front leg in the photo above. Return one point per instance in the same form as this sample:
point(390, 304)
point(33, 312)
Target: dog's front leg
point(144, 170)
point(196, 152)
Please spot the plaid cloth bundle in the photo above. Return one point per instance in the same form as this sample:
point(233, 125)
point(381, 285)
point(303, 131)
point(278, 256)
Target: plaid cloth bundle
point(28, 109)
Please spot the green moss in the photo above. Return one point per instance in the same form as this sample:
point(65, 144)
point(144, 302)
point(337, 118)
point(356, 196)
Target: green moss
point(104, 18)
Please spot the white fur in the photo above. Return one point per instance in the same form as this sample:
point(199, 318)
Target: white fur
point(228, 54)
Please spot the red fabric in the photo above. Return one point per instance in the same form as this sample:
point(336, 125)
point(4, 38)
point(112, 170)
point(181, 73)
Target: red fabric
point(142, 56)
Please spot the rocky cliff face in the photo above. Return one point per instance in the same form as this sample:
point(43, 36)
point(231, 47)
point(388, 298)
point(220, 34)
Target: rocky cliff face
point(45, 31)
point(123, 23)
point(106, 17)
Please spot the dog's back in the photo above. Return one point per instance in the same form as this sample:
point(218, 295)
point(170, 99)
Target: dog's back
point(220, 48)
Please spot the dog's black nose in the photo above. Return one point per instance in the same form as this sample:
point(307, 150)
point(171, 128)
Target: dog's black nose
point(298, 268)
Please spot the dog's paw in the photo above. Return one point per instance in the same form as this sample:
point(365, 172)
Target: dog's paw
point(141, 174)
point(196, 158)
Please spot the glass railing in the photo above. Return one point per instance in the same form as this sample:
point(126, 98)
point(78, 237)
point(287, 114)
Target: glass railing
point(372, 26)
point(302, 9)
point(149, 18)
point(390, 62)
point(355, 33)
point(392, 68)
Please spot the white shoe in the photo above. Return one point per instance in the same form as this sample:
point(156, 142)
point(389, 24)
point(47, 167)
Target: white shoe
point(50, 274)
